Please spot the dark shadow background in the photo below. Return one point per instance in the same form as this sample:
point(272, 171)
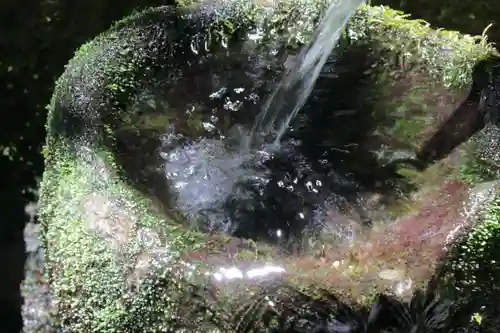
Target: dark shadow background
point(37, 38)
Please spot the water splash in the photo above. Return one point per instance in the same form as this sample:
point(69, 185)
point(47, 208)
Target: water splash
point(299, 79)
point(220, 182)
point(205, 174)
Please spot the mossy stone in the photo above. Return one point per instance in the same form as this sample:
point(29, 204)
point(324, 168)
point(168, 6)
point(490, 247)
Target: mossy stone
point(112, 250)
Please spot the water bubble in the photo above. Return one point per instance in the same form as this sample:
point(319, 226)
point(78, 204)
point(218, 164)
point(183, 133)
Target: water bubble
point(253, 97)
point(255, 35)
point(190, 110)
point(190, 170)
point(239, 90)
point(232, 106)
point(309, 186)
point(281, 184)
point(224, 41)
point(218, 94)
point(209, 173)
point(180, 185)
point(274, 52)
point(263, 155)
point(172, 157)
point(209, 127)
point(206, 43)
point(194, 47)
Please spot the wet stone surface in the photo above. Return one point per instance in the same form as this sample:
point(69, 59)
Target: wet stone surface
point(38, 308)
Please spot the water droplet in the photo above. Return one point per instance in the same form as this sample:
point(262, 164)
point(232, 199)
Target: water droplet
point(264, 155)
point(190, 110)
point(206, 43)
point(219, 93)
point(190, 170)
point(239, 90)
point(180, 185)
point(281, 184)
point(193, 46)
point(255, 35)
point(232, 106)
point(309, 186)
point(301, 215)
point(208, 126)
point(224, 41)
point(253, 97)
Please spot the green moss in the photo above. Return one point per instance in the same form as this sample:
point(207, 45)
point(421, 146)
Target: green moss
point(476, 169)
point(92, 214)
point(480, 160)
point(415, 43)
point(92, 277)
point(471, 17)
point(419, 74)
point(473, 269)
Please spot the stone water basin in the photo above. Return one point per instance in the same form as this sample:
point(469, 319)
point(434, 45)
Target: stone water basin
point(145, 173)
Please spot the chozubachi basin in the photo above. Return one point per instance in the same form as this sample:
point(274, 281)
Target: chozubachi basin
point(383, 188)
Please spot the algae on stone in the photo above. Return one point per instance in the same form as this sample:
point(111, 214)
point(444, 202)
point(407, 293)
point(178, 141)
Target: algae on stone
point(420, 82)
point(468, 17)
point(114, 245)
point(470, 270)
point(481, 161)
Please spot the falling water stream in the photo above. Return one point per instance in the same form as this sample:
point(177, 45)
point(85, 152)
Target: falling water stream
point(298, 81)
